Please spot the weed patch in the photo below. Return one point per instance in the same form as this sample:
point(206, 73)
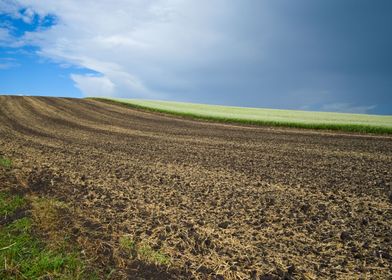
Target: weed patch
point(143, 252)
point(52, 220)
point(9, 204)
point(5, 162)
point(23, 255)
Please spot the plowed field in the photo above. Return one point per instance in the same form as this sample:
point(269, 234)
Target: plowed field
point(215, 201)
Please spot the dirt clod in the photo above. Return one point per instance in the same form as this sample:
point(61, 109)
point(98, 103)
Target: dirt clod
point(224, 224)
point(291, 269)
point(345, 236)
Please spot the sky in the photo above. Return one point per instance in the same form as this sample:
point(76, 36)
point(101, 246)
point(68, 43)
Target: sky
point(317, 55)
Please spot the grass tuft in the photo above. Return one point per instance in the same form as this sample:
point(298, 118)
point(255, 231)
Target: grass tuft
point(143, 252)
point(127, 243)
point(9, 204)
point(148, 254)
point(5, 162)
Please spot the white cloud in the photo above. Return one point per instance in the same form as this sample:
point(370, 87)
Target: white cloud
point(9, 7)
point(5, 66)
point(4, 36)
point(347, 108)
point(8, 65)
point(94, 86)
point(141, 47)
point(8, 62)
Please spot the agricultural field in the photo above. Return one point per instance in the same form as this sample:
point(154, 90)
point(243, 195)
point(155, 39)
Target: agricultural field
point(284, 118)
point(94, 189)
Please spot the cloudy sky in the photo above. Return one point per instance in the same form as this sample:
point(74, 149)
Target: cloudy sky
point(330, 55)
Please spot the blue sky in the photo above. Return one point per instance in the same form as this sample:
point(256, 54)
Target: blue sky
point(312, 55)
point(23, 71)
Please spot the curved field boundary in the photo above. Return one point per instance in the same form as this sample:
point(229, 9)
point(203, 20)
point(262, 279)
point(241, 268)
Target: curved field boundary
point(266, 117)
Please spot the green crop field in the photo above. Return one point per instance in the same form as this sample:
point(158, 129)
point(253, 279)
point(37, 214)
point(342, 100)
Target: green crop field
point(258, 116)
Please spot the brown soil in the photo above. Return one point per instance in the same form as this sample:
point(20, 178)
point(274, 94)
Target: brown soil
point(221, 201)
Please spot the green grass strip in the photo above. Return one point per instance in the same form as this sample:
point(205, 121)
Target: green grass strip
point(24, 256)
point(9, 204)
point(268, 117)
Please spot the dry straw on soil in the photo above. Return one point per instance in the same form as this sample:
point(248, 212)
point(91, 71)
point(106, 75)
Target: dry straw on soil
point(153, 196)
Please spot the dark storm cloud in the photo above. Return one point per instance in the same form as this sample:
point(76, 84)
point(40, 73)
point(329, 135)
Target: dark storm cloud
point(312, 54)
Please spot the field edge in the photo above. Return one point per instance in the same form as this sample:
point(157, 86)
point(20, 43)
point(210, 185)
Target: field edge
point(368, 129)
